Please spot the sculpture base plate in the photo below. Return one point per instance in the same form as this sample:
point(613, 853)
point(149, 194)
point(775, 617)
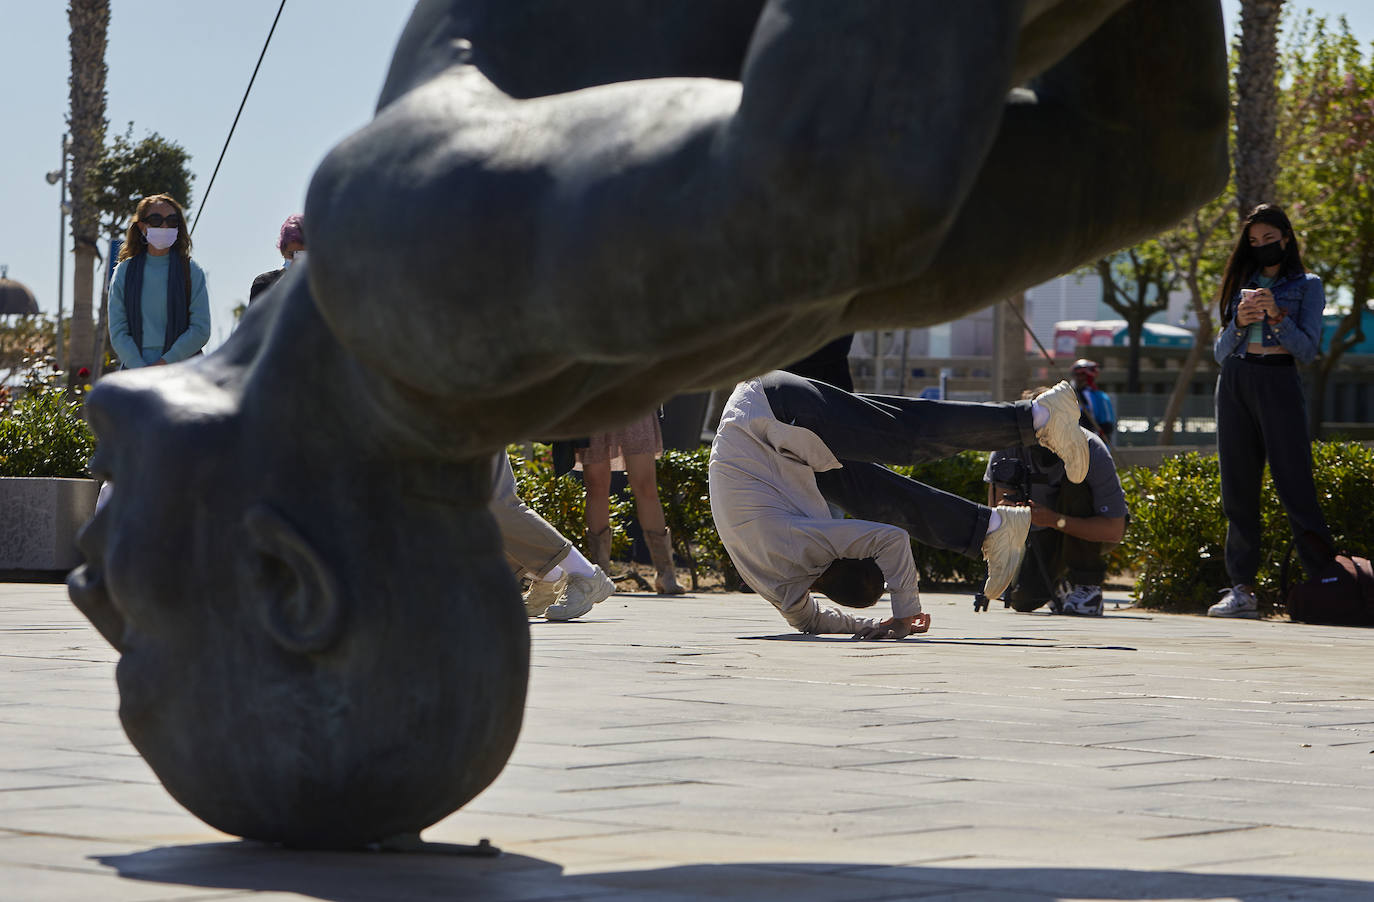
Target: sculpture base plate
point(412, 843)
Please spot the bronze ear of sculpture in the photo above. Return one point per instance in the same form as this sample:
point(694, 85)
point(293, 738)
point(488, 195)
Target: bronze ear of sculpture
point(321, 642)
point(302, 605)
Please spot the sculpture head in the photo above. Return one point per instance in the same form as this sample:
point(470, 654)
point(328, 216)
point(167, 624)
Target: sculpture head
point(295, 665)
point(321, 642)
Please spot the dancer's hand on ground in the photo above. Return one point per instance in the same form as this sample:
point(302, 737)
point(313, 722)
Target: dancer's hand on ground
point(896, 628)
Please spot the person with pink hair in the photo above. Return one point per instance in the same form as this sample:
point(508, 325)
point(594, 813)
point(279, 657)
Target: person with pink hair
point(291, 244)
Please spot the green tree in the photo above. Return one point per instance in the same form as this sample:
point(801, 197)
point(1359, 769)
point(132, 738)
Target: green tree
point(1327, 161)
point(1136, 283)
point(128, 171)
point(1197, 250)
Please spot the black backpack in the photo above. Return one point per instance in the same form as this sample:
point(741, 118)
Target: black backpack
point(1342, 594)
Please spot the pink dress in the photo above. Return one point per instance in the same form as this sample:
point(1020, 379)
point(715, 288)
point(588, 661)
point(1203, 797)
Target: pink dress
point(643, 436)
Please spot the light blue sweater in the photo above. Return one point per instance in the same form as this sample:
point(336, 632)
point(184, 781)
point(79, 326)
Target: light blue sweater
point(155, 315)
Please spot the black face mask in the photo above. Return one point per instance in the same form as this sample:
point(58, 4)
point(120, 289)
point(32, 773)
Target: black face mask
point(1267, 254)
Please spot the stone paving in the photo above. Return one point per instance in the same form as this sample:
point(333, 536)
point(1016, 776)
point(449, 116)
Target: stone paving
point(692, 748)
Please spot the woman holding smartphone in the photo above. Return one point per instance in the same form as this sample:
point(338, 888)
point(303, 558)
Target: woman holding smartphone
point(1271, 316)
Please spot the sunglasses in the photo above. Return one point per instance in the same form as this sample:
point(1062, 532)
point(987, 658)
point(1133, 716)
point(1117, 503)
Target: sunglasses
point(157, 220)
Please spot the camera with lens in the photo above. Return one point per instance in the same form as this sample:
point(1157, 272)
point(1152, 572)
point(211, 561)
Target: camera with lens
point(1013, 477)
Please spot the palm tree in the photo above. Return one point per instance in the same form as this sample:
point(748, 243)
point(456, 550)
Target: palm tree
point(89, 21)
point(1257, 149)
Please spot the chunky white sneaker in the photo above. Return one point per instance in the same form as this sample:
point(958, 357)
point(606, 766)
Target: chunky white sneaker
point(1003, 549)
point(579, 594)
point(1061, 433)
point(541, 595)
point(1082, 601)
point(1238, 602)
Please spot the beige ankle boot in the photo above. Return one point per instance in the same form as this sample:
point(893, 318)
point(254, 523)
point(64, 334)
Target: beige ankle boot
point(661, 550)
point(599, 548)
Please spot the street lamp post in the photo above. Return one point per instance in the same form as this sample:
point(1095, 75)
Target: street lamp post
point(60, 175)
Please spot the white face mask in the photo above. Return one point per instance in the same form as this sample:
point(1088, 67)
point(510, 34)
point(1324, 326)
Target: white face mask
point(161, 238)
point(298, 257)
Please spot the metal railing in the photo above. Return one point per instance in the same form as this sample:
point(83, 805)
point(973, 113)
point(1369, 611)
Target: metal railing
point(1140, 420)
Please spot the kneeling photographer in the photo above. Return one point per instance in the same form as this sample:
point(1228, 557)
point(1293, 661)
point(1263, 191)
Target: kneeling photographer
point(1072, 525)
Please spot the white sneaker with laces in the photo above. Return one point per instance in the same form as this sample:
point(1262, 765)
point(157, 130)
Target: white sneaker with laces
point(1082, 601)
point(579, 594)
point(1237, 602)
point(1004, 547)
point(1061, 433)
point(541, 595)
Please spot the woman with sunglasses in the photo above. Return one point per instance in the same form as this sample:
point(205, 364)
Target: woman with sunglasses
point(159, 308)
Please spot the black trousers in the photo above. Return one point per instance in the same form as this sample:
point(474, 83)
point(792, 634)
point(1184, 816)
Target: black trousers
point(866, 431)
point(1052, 555)
point(1262, 415)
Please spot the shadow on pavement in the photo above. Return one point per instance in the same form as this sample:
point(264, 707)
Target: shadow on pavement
point(396, 877)
point(1008, 641)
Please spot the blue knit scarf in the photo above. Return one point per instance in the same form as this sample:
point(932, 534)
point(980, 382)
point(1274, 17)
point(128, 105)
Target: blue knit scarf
point(178, 299)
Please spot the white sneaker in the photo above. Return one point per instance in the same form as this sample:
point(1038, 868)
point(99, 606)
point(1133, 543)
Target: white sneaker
point(1061, 433)
point(541, 595)
point(579, 594)
point(1004, 547)
point(1082, 601)
point(1236, 603)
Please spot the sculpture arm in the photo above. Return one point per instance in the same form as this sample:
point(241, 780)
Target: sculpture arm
point(606, 225)
point(851, 112)
point(1113, 148)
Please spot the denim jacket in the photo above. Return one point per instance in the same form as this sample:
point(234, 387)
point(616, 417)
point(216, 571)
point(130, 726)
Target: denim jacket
point(1301, 297)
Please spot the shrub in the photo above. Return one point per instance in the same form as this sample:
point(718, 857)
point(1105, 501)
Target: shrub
point(42, 432)
point(562, 500)
point(684, 489)
point(1177, 535)
point(962, 475)
point(1344, 472)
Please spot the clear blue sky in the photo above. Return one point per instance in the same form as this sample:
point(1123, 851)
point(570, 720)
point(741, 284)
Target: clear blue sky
point(179, 69)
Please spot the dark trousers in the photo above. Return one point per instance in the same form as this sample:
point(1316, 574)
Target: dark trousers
point(1052, 555)
point(1262, 415)
point(865, 431)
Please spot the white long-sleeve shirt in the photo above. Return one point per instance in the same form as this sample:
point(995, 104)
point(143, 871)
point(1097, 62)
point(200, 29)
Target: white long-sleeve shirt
point(777, 526)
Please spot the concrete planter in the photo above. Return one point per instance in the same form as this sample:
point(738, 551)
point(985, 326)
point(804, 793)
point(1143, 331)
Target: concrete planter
point(39, 517)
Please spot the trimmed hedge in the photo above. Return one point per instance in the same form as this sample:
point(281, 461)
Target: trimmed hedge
point(561, 500)
point(1174, 542)
point(683, 489)
point(962, 475)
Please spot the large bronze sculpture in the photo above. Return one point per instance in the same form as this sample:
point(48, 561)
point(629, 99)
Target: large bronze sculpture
point(563, 212)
